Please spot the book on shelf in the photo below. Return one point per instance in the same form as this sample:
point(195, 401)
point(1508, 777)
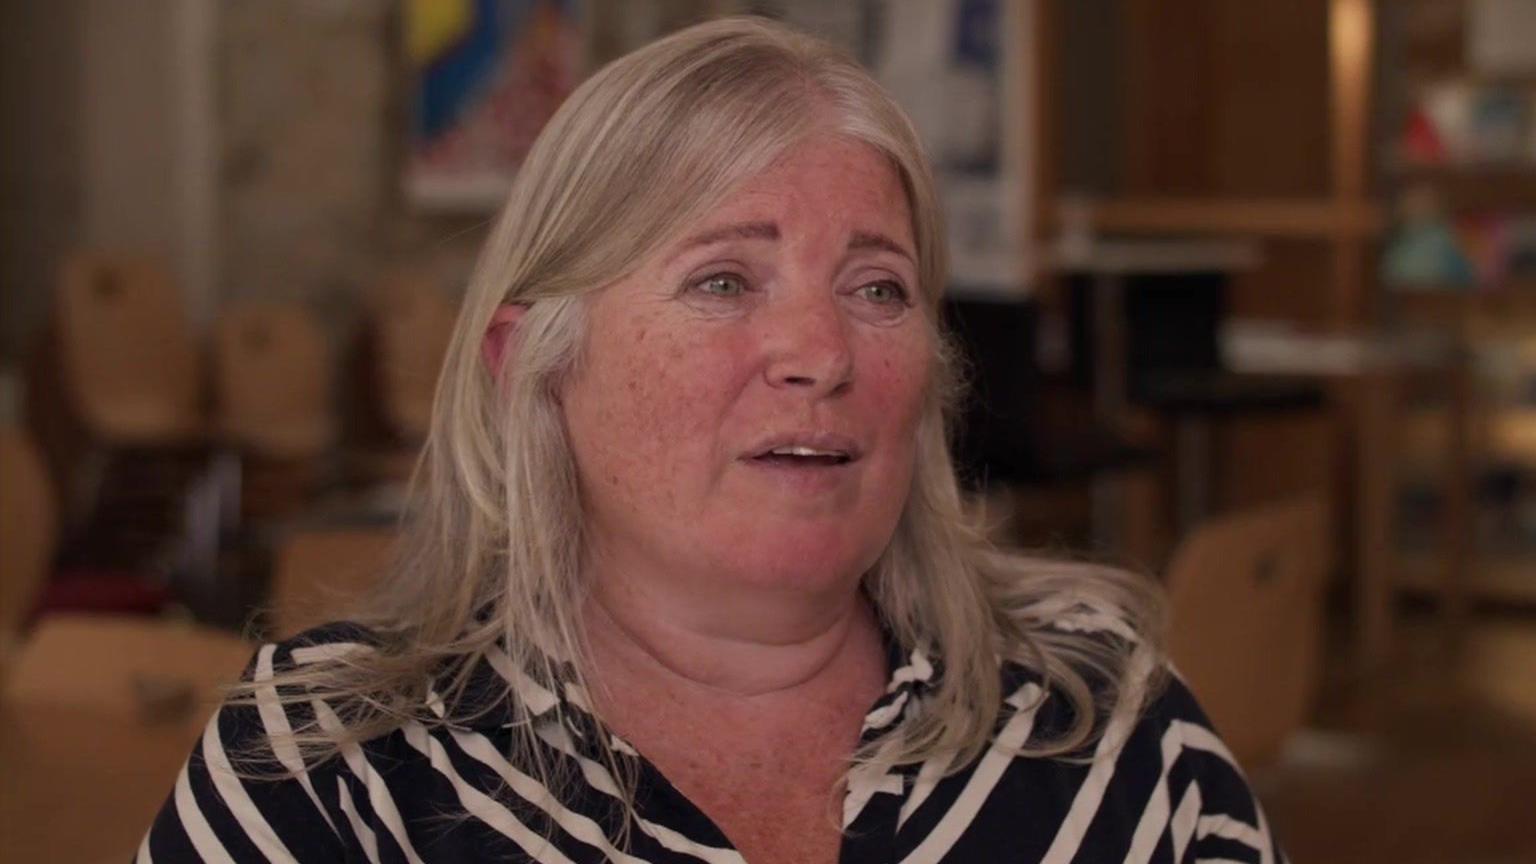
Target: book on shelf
point(1465, 124)
point(1428, 247)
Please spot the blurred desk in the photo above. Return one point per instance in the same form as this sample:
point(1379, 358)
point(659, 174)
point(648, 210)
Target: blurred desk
point(81, 785)
point(1108, 269)
point(1108, 264)
point(1367, 371)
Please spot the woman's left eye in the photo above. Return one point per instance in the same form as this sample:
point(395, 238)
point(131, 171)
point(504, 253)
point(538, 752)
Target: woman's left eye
point(886, 291)
point(721, 285)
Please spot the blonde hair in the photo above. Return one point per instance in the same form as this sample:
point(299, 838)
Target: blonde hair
point(492, 557)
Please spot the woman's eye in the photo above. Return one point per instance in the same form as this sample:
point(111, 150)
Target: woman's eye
point(885, 292)
point(721, 285)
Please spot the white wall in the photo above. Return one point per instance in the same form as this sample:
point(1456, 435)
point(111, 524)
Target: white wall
point(147, 146)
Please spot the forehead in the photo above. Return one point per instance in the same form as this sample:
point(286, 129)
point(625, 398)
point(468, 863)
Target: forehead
point(829, 177)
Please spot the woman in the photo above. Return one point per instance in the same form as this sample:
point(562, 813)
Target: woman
point(686, 515)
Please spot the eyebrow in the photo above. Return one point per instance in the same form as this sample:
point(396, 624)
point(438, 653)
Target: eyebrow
point(738, 231)
point(770, 231)
point(869, 240)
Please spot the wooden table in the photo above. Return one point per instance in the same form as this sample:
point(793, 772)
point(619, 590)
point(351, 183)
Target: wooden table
point(78, 785)
point(97, 715)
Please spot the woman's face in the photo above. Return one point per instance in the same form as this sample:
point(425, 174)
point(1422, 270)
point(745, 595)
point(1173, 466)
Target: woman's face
point(745, 412)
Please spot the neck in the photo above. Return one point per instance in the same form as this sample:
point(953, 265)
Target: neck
point(745, 645)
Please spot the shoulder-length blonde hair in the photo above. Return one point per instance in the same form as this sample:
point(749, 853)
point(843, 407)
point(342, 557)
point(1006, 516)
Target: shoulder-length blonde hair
point(492, 557)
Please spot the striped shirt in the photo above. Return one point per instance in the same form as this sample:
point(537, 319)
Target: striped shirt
point(1160, 787)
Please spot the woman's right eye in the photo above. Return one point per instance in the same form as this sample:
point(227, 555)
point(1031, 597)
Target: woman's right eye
point(721, 285)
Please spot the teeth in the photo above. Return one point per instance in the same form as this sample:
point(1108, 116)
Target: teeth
point(802, 451)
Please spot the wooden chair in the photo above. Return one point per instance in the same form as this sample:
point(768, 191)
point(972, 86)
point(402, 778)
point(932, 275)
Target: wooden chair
point(130, 365)
point(319, 572)
point(273, 377)
point(412, 324)
point(97, 718)
point(28, 533)
point(1246, 597)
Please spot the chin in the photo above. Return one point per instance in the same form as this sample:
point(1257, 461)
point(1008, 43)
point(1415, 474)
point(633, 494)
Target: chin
point(802, 560)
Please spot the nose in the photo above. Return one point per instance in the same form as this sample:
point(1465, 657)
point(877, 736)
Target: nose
point(808, 347)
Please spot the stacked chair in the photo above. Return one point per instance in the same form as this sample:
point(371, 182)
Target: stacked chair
point(1246, 598)
point(411, 324)
point(153, 474)
point(274, 385)
point(121, 403)
point(131, 365)
point(406, 332)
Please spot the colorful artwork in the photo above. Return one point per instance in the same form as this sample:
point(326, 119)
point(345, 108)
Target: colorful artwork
point(487, 75)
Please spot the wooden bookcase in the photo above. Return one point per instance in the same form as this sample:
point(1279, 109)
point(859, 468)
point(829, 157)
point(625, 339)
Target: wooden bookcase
point(1246, 120)
point(1426, 44)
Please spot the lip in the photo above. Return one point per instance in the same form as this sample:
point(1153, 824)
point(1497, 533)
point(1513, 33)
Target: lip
point(830, 441)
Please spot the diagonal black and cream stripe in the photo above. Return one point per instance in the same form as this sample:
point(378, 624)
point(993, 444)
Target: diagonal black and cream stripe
point(1160, 787)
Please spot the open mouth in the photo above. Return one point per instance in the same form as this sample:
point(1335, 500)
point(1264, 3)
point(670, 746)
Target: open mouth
point(807, 457)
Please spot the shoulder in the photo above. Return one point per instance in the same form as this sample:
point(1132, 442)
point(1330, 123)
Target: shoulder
point(1160, 777)
point(358, 683)
point(329, 641)
point(1090, 637)
point(1202, 780)
point(1097, 625)
point(297, 700)
point(1094, 602)
point(284, 685)
point(255, 787)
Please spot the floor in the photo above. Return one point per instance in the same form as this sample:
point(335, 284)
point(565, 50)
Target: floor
point(1432, 760)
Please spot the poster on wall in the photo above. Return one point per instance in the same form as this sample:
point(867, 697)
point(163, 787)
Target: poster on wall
point(957, 68)
point(485, 76)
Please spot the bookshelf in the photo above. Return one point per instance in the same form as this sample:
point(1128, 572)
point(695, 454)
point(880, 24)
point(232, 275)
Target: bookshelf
point(1456, 164)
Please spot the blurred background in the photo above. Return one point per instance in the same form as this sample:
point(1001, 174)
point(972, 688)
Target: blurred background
point(1249, 291)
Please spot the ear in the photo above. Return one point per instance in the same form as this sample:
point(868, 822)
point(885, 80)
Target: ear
point(498, 335)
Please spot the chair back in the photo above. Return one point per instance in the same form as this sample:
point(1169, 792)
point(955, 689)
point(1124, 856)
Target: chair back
point(273, 379)
point(1245, 592)
point(412, 324)
point(130, 364)
point(319, 572)
point(28, 532)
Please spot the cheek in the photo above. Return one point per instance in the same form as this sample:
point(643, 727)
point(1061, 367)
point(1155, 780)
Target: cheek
point(646, 409)
point(898, 384)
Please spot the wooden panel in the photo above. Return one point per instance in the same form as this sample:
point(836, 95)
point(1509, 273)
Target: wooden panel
point(1169, 148)
point(1270, 102)
point(1226, 98)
